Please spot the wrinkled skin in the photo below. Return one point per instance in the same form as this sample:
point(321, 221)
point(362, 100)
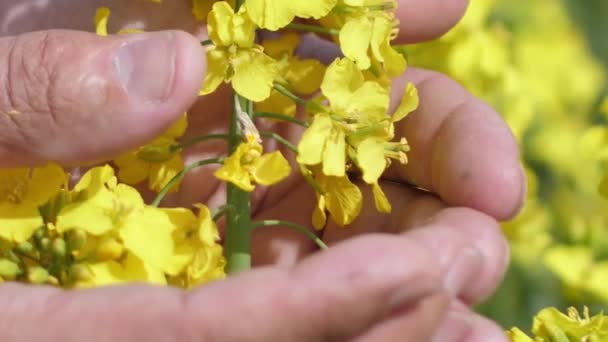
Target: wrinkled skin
point(407, 276)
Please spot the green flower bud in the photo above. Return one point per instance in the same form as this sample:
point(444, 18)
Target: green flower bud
point(40, 233)
point(37, 275)
point(60, 247)
point(45, 244)
point(25, 247)
point(77, 238)
point(155, 154)
point(80, 272)
point(9, 270)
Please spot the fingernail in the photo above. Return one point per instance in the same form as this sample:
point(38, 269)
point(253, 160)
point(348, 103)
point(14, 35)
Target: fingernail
point(454, 328)
point(145, 65)
point(463, 269)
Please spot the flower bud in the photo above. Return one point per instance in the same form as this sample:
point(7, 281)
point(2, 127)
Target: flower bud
point(77, 238)
point(25, 247)
point(59, 247)
point(45, 244)
point(37, 275)
point(155, 154)
point(79, 272)
point(9, 270)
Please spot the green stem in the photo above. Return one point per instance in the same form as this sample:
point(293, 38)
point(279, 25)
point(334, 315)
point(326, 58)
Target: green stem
point(238, 221)
point(281, 140)
point(165, 190)
point(197, 140)
point(221, 211)
point(294, 226)
point(238, 4)
point(284, 91)
point(313, 28)
point(281, 117)
point(207, 42)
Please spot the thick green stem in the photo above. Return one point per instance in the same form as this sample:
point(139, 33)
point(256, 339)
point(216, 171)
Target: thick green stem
point(238, 221)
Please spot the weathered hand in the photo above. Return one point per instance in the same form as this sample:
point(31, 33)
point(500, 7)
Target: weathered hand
point(71, 96)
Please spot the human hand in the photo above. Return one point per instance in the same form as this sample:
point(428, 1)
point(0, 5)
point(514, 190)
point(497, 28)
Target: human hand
point(461, 150)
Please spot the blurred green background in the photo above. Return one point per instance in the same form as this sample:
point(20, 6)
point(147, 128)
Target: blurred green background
point(543, 65)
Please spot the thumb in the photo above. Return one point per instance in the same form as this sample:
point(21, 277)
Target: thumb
point(71, 96)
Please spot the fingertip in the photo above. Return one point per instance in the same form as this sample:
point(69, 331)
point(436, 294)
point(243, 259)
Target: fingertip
point(426, 20)
point(475, 162)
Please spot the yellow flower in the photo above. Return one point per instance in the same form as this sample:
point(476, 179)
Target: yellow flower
point(248, 165)
point(301, 76)
point(516, 335)
point(22, 192)
point(235, 57)
point(339, 196)
point(355, 128)
point(198, 255)
point(102, 15)
point(105, 209)
point(158, 161)
point(275, 14)
point(366, 30)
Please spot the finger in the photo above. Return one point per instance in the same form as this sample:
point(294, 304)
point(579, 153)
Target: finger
point(333, 295)
point(467, 244)
point(461, 324)
point(427, 19)
point(71, 96)
point(461, 148)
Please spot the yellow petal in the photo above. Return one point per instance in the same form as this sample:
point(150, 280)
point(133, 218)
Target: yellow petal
point(87, 217)
point(285, 45)
point(334, 156)
point(409, 102)
point(101, 21)
point(305, 76)
point(341, 80)
point(131, 170)
point(17, 224)
point(312, 143)
point(254, 74)
point(270, 168)
point(178, 128)
point(382, 203)
point(220, 24)
point(277, 103)
point(394, 63)
point(371, 160)
point(368, 104)
point(516, 335)
point(44, 183)
point(162, 173)
point(312, 8)
point(147, 234)
point(355, 38)
point(232, 171)
point(270, 14)
point(207, 230)
point(319, 217)
point(217, 69)
point(343, 200)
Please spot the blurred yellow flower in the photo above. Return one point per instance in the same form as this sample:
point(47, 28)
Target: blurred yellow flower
point(158, 161)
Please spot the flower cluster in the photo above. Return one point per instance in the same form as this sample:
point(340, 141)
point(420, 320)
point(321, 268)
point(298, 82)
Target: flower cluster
point(550, 325)
point(99, 232)
point(102, 231)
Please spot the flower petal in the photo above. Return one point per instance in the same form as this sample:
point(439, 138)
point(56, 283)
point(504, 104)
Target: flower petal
point(217, 69)
point(355, 38)
point(254, 74)
point(371, 160)
point(312, 143)
point(270, 168)
point(409, 103)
